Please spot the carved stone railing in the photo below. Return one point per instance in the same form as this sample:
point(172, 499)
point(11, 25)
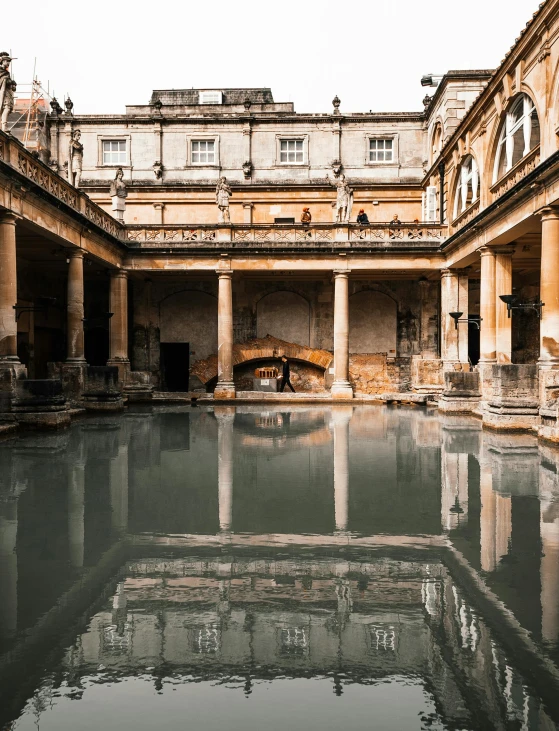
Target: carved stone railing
point(466, 216)
point(520, 170)
point(13, 153)
point(319, 235)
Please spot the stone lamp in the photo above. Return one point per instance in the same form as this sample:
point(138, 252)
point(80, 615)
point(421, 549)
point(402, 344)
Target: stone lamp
point(512, 303)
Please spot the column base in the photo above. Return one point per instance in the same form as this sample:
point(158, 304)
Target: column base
point(73, 376)
point(225, 391)
point(11, 370)
point(123, 365)
point(341, 390)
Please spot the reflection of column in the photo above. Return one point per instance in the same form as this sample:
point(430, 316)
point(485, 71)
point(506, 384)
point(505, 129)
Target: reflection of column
point(119, 490)
point(75, 343)
point(549, 570)
point(341, 416)
point(503, 285)
point(496, 520)
point(454, 500)
point(76, 495)
point(225, 386)
point(118, 324)
point(549, 289)
point(8, 289)
point(225, 416)
point(454, 298)
point(341, 387)
point(8, 568)
point(488, 348)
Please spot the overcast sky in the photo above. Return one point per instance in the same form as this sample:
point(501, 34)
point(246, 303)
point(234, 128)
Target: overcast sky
point(107, 54)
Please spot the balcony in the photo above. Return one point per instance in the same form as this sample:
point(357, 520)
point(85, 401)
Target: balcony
point(515, 174)
point(14, 154)
point(315, 237)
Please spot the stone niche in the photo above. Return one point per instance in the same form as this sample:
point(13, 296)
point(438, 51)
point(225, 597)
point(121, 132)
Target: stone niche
point(284, 315)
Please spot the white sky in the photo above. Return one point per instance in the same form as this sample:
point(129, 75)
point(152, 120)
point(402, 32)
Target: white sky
point(106, 54)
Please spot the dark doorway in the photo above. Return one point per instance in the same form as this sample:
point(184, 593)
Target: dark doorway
point(96, 345)
point(473, 341)
point(175, 364)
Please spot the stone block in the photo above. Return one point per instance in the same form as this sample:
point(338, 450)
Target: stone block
point(427, 375)
point(511, 396)
point(10, 374)
point(102, 380)
point(461, 393)
point(40, 404)
point(138, 387)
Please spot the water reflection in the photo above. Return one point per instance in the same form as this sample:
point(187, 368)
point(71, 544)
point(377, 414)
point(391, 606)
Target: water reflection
point(234, 548)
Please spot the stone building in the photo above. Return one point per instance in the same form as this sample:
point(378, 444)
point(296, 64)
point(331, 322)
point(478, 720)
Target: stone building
point(192, 267)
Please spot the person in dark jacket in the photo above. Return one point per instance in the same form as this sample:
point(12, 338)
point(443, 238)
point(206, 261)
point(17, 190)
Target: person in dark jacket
point(362, 218)
point(285, 380)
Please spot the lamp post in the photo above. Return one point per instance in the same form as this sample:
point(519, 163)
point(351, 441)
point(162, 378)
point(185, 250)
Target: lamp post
point(512, 303)
point(457, 317)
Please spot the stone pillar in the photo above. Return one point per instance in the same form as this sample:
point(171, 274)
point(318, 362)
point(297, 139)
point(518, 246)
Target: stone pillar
point(549, 290)
point(75, 346)
point(225, 416)
point(225, 388)
point(341, 387)
point(119, 490)
point(549, 574)
point(76, 507)
point(487, 516)
point(8, 290)
point(341, 416)
point(488, 346)
point(454, 298)
point(503, 285)
point(118, 324)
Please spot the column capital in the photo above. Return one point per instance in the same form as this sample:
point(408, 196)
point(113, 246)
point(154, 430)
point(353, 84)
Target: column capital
point(486, 251)
point(8, 217)
point(224, 273)
point(341, 272)
point(464, 272)
point(549, 213)
point(118, 273)
point(75, 253)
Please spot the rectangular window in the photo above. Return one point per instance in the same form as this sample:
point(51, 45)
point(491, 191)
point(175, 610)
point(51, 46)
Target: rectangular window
point(203, 152)
point(292, 151)
point(114, 152)
point(210, 97)
point(381, 151)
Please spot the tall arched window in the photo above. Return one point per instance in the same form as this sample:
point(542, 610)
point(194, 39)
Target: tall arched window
point(519, 135)
point(467, 190)
point(436, 142)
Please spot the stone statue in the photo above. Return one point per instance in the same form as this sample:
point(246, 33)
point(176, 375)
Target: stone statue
point(7, 89)
point(118, 194)
point(344, 200)
point(157, 170)
point(222, 195)
point(75, 159)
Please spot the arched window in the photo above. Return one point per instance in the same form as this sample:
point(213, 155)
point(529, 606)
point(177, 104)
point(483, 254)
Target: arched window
point(519, 135)
point(437, 140)
point(467, 190)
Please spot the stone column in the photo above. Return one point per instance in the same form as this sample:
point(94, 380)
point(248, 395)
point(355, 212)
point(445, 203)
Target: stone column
point(549, 290)
point(454, 298)
point(118, 324)
point(503, 285)
point(488, 346)
point(341, 416)
point(225, 416)
point(119, 490)
point(8, 290)
point(8, 568)
point(75, 348)
point(225, 388)
point(341, 387)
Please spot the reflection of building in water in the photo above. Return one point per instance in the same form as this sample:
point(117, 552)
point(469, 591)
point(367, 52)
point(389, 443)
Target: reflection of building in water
point(383, 617)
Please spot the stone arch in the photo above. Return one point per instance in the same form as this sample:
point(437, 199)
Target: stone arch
point(285, 315)
point(373, 323)
point(190, 316)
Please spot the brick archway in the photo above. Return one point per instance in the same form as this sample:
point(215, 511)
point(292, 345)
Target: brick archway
point(267, 348)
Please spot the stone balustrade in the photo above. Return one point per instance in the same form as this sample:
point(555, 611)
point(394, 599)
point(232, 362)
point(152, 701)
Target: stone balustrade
point(516, 173)
point(296, 236)
point(14, 154)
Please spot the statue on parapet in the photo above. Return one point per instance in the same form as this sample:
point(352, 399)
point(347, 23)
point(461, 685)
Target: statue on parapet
point(75, 159)
point(222, 195)
point(118, 194)
point(7, 89)
point(344, 200)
